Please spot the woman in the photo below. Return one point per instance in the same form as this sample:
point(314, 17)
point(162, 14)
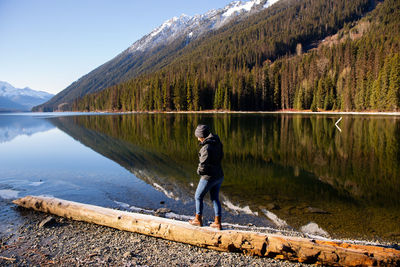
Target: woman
point(211, 174)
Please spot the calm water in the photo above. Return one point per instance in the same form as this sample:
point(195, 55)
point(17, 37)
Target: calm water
point(282, 171)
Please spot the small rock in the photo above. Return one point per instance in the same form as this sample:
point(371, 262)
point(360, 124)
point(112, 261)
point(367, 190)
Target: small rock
point(272, 206)
point(49, 221)
point(201, 265)
point(127, 254)
point(135, 240)
point(163, 210)
point(162, 202)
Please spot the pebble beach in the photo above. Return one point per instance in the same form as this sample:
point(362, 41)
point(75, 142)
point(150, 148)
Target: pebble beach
point(43, 240)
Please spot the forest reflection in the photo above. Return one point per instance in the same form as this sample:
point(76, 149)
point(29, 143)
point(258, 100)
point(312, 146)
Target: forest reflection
point(300, 166)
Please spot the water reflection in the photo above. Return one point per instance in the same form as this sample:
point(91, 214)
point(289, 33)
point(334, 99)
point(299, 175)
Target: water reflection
point(54, 164)
point(291, 169)
point(12, 126)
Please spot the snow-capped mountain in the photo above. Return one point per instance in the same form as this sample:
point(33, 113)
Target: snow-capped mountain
point(12, 98)
point(196, 25)
point(152, 51)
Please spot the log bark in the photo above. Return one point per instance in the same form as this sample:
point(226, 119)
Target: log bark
point(251, 243)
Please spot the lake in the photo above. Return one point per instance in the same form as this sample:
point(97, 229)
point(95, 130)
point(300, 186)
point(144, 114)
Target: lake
point(282, 171)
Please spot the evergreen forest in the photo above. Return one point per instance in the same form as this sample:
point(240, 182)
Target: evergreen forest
point(302, 55)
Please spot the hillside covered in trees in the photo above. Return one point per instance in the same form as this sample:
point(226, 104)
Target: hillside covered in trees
point(273, 61)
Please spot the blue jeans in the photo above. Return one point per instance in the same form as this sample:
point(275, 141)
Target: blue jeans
point(202, 188)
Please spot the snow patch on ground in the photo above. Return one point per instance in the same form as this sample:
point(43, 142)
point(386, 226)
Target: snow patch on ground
point(314, 229)
point(238, 209)
point(132, 208)
point(122, 204)
point(172, 215)
point(8, 194)
point(278, 222)
point(36, 183)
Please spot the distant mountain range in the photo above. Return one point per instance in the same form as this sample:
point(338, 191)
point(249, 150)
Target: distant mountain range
point(15, 99)
point(154, 51)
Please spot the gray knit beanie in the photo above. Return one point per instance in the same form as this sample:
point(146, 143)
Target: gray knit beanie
point(202, 131)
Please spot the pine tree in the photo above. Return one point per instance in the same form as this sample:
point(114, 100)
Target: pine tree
point(218, 97)
point(189, 99)
point(384, 86)
point(157, 95)
point(314, 107)
point(277, 92)
point(196, 96)
point(166, 95)
point(177, 99)
point(329, 97)
point(299, 99)
point(227, 99)
point(321, 94)
point(394, 84)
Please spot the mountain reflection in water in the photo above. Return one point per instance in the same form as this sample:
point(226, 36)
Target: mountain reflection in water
point(12, 126)
point(295, 170)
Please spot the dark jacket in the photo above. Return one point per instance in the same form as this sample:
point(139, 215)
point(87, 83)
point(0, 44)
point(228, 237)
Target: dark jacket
point(210, 156)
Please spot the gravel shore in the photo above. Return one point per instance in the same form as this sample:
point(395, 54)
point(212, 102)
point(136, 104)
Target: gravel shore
point(63, 242)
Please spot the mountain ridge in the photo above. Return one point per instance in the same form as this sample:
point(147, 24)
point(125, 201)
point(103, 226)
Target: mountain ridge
point(263, 62)
point(153, 50)
point(198, 24)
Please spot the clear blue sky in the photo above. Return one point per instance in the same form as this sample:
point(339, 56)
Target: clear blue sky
point(48, 44)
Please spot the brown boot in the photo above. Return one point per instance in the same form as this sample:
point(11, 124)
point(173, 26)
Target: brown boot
point(197, 221)
point(217, 223)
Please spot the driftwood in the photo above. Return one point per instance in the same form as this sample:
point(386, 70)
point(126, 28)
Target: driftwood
point(7, 259)
point(251, 243)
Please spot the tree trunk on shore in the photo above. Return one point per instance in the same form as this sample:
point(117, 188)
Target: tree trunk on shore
point(252, 243)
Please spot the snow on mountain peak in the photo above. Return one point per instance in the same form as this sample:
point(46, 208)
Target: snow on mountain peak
point(269, 3)
point(7, 90)
point(166, 32)
point(193, 26)
point(239, 6)
point(14, 99)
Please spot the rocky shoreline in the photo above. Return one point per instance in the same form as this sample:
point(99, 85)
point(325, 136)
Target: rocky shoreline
point(52, 240)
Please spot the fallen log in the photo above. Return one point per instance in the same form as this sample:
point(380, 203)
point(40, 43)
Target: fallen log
point(251, 243)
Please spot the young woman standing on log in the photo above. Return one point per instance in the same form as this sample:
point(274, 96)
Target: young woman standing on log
point(211, 174)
